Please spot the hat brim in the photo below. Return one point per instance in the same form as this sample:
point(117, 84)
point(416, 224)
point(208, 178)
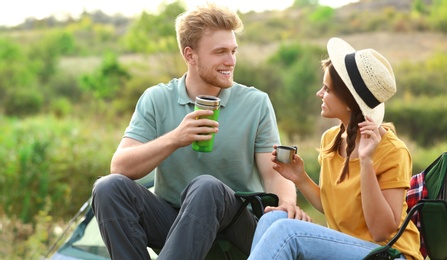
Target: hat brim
point(337, 50)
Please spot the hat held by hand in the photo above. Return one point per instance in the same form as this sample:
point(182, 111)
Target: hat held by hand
point(367, 74)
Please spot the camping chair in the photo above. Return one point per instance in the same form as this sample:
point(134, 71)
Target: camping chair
point(427, 201)
point(223, 249)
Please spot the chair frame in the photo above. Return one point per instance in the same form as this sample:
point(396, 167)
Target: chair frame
point(433, 253)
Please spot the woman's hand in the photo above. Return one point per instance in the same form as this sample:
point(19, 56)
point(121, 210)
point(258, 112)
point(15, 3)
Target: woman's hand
point(292, 171)
point(369, 138)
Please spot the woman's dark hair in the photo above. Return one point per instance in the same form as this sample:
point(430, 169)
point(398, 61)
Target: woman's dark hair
point(341, 91)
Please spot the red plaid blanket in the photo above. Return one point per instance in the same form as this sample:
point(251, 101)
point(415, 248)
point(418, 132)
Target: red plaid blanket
point(417, 191)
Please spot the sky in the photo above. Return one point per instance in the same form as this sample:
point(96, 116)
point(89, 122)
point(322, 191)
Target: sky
point(15, 12)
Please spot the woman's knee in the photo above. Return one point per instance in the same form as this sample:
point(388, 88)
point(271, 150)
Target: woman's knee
point(273, 216)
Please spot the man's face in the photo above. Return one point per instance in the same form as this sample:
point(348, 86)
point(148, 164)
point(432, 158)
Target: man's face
point(216, 58)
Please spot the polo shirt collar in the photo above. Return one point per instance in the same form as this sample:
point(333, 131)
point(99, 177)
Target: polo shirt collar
point(184, 99)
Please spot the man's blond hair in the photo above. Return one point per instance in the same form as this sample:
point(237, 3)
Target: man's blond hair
point(191, 25)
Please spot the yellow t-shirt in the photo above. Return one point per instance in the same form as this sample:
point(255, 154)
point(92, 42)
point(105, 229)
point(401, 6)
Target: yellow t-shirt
point(342, 202)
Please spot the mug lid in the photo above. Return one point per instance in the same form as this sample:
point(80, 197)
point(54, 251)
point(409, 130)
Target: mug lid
point(208, 100)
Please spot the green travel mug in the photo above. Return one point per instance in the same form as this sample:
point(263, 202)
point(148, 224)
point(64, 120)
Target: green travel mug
point(206, 103)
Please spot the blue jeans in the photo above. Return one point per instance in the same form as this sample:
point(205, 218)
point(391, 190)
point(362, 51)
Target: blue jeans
point(278, 237)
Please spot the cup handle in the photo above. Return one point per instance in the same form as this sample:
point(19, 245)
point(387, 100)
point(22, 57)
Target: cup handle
point(295, 148)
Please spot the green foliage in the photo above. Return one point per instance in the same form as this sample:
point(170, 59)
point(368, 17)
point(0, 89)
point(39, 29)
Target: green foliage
point(424, 78)
point(423, 119)
point(27, 241)
point(91, 38)
point(277, 24)
point(26, 171)
point(43, 157)
point(107, 79)
point(438, 15)
point(63, 85)
point(420, 7)
point(23, 102)
point(291, 77)
point(322, 18)
point(423, 157)
point(267, 79)
point(154, 33)
point(295, 102)
point(15, 71)
point(61, 107)
point(304, 3)
point(45, 57)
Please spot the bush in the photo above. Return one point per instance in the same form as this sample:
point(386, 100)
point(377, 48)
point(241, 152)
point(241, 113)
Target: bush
point(47, 158)
point(423, 78)
point(423, 119)
point(23, 102)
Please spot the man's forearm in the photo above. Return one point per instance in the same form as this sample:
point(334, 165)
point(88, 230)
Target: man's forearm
point(135, 159)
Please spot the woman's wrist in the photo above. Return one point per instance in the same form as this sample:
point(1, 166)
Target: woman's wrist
point(366, 161)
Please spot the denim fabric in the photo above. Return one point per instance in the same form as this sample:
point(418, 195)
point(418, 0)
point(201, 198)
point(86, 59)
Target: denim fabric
point(278, 237)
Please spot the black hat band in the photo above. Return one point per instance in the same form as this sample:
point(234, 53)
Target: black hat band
point(358, 83)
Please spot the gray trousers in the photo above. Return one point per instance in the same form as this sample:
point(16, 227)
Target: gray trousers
point(132, 218)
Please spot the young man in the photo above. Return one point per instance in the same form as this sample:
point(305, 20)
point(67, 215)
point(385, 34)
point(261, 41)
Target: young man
point(194, 192)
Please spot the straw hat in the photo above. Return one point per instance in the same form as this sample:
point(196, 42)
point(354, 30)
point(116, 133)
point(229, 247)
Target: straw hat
point(367, 74)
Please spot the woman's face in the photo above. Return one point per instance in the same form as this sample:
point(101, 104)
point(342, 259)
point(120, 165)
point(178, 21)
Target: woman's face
point(332, 106)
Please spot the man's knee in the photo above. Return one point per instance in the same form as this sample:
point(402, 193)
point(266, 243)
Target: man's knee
point(105, 187)
point(206, 182)
point(206, 190)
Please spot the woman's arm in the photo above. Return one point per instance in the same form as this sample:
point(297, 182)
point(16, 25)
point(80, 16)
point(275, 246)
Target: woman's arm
point(295, 172)
point(382, 208)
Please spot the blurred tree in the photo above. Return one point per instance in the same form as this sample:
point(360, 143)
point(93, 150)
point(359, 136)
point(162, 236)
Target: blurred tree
point(422, 119)
point(23, 102)
point(107, 79)
point(295, 102)
point(305, 3)
point(321, 19)
point(45, 54)
point(423, 78)
point(16, 74)
point(420, 7)
point(438, 15)
point(92, 38)
point(155, 34)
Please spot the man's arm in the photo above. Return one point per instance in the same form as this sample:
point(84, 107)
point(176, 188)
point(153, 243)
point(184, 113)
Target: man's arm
point(275, 183)
point(135, 159)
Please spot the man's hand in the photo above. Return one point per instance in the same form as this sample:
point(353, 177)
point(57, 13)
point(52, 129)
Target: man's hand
point(192, 128)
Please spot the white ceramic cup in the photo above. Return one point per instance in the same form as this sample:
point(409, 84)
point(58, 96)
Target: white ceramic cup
point(284, 153)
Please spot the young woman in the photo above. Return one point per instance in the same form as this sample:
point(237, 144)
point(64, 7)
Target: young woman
point(365, 170)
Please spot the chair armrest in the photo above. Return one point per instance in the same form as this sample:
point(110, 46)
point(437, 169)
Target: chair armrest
point(259, 200)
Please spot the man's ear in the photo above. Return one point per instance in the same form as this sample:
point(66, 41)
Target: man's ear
point(188, 55)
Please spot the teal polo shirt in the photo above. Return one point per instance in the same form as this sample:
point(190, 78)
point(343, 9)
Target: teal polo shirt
point(247, 125)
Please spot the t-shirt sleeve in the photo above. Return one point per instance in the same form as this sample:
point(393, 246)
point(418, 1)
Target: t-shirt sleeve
point(395, 168)
point(142, 123)
point(267, 132)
